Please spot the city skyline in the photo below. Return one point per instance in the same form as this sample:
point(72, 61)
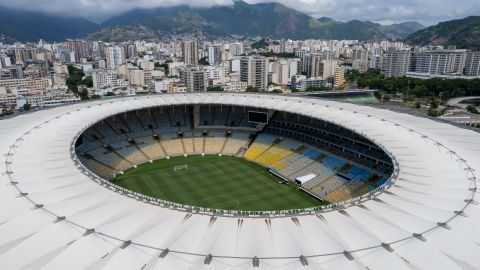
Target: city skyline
point(427, 12)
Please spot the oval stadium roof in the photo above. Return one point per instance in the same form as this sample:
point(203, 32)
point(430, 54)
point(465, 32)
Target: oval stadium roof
point(53, 216)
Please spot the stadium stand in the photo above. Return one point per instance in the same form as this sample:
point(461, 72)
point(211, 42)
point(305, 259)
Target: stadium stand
point(146, 119)
point(275, 153)
point(110, 158)
point(260, 145)
point(100, 169)
point(131, 153)
point(345, 165)
point(117, 124)
point(172, 145)
point(220, 116)
point(214, 142)
point(205, 116)
point(235, 143)
point(150, 147)
point(188, 143)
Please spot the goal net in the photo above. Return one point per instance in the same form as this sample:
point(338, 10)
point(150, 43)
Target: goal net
point(181, 167)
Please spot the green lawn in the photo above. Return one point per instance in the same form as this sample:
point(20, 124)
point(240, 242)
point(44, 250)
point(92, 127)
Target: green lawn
point(225, 182)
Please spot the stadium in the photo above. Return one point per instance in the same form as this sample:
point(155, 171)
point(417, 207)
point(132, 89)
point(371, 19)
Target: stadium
point(236, 181)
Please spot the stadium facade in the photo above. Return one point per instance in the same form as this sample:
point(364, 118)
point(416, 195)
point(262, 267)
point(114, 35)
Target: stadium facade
point(59, 213)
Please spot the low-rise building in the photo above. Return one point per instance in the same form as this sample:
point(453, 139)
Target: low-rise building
point(36, 84)
point(235, 86)
point(304, 84)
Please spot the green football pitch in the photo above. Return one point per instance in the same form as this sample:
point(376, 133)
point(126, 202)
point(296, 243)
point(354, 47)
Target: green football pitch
point(229, 183)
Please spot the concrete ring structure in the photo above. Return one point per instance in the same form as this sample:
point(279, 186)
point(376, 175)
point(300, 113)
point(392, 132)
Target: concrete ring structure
point(54, 216)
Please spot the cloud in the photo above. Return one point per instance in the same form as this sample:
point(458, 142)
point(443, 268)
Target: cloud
point(99, 10)
point(425, 11)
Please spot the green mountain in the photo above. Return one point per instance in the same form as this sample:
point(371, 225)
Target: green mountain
point(264, 19)
point(25, 26)
point(463, 33)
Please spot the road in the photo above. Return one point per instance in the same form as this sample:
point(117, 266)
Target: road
point(457, 102)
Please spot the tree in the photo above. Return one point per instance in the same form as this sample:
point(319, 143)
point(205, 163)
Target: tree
point(280, 55)
point(353, 75)
point(95, 97)
point(387, 97)
point(260, 44)
point(88, 81)
point(27, 107)
point(432, 112)
point(378, 95)
point(418, 105)
point(75, 76)
point(110, 94)
point(410, 98)
point(251, 88)
point(472, 109)
point(83, 94)
point(216, 88)
point(204, 61)
point(437, 87)
point(164, 66)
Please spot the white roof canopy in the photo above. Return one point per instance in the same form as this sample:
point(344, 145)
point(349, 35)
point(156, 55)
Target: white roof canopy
point(55, 217)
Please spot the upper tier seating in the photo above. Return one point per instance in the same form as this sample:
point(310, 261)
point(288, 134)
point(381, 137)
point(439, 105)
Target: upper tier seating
point(235, 143)
point(261, 144)
point(277, 152)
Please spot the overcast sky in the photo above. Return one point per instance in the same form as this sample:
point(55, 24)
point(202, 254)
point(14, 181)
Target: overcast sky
point(383, 11)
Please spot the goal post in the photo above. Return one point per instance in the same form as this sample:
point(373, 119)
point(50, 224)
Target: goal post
point(180, 167)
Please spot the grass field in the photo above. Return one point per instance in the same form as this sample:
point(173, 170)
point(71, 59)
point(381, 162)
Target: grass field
point(225, 182)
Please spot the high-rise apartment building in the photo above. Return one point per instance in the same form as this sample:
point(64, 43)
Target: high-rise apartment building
point(190, 52)
point(312, 63)
point(254, 71)
point(131, 51)
point(195, 79)
point(80, 47)
point(339, 77)
point(136, 77)
point(360, 54)
point(439, 62)
point(326, 68)
point(22, 55)
point(98, 50)
point(360, 60)
point(472, 64)
point(375, 61)
point(282, 71)
point(396, 63)
point(215, 54)
point(115, 56)
point(236, 48)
